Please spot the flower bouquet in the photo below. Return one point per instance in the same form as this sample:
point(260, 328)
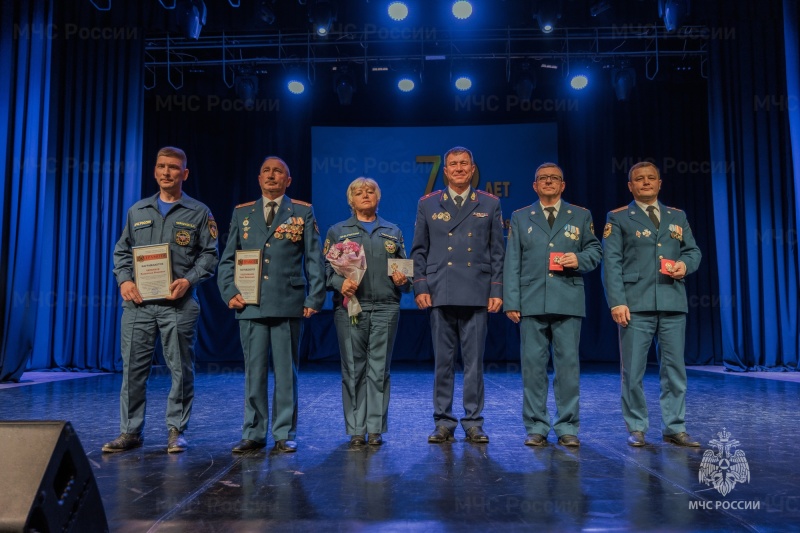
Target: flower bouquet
point(348, 260)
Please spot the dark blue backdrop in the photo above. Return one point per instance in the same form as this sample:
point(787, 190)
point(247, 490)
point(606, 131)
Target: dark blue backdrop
point(80, 133)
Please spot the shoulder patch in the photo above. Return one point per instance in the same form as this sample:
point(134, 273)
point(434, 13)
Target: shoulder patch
point(431, 194)
point(246, 204)
point(490, 195)
point(617, 210)
point(301, 202)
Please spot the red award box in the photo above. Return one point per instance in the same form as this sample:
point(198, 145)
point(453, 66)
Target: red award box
point(555, 260)
point(667, 266)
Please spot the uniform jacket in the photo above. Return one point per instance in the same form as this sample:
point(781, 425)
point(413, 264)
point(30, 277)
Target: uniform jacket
point(385, 242)
point(632, 253)
point(189, 228)
point(292, 274)
point(458, 255)
point(529, 286)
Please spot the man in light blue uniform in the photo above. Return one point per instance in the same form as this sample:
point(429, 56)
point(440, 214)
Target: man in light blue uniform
point(551, 244)
point(648, 249)
point(292, 288)
point(172, 217)
point(458, 255)
point(366, 346)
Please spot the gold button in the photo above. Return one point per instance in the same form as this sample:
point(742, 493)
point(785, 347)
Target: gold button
point(659, 244)
point(469, 264)
point(449, 263)
point(266, 277)
point(267, 245)
point(551, 245)
point(469, 249)
point(449, 248)
point(469, 234)
point(266, 260)
point(551, 274)
point(661, 257)
point(450, 234)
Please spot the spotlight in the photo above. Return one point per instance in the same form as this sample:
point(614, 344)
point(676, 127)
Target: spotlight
point(191, 17)
point(674, 13)
point(463, 83)
point(296, 86)
point(462, 10)
point(246, 90)
point(344, 85)
point(526, 82)
point(406, 84)
point(546, 13)
point(322, 15)
point(398, 11)
point(265, 12)
point(579, 81)
point(623, 79)
point(599, 7)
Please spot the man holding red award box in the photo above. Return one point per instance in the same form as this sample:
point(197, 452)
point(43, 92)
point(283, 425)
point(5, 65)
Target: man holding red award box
point(551, 244)
point(648, 249)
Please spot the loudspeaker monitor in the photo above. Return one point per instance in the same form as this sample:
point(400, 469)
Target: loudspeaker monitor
point(48, 484)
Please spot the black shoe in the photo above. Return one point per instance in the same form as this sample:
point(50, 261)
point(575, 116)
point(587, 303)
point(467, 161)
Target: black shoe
point(441, 434)
point(569, 440)
point(247, 445)
point(535, 439)
point(285, 446)
point(682, 439)
point(176, 442)
point(636, 439)
point(123, 443)
point(357, 441)
point(375, 439)
point(475, 434)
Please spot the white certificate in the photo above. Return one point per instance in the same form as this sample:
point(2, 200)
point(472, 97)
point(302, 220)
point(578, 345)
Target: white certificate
point(247, 275)
point(152, 271)
point(406, 266)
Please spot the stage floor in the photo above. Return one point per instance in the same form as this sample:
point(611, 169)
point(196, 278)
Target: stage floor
point(410, 485)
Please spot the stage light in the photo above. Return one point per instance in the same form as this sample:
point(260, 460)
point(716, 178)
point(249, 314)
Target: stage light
point(398, 11)
point(579, 81)
point(246, 90)
point(674, 13)
point(525, 83)
point(406, 84)
point(265, 12)
point(296, 86)
point(344, 85)
point(462, 10)
point(546, 13)
point(599, 7)
point(191, 16)
point(322, 15)
point(623, 79)
point(463, 83)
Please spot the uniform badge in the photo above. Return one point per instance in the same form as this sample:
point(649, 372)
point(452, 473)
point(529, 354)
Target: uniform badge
point(182, 237)
point(444, 196)
point(591, 227)
point(472, 196)
point(638, 234)
point(446, 216)
point(530, 229)
point(438, 216)
point(390, 246)
point(212, 228)
point(647, 233)
point(676, 232)
point(607, 231)
point(571, 232)
point(327, 247)
point(245, 222)
point(244, 235)
point(480, 215)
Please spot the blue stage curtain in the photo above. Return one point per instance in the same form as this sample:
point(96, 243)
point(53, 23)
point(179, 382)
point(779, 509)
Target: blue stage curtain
point(755, 182)
point(71, 105)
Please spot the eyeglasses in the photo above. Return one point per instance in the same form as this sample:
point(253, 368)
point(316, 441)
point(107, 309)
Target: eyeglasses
point(551, 177)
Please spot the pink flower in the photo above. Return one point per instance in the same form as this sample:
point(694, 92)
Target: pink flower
point(348, 260)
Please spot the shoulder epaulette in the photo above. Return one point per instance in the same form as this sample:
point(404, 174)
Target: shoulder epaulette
point(675, 208)
point(579, 207)
point(301, 202)
point(523, 208)
point(246, 204)
point(431, 194)
point(617, 210)
point(490, 195)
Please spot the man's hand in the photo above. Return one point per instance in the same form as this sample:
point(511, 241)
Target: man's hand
point(678, 270)
point(130, 293)
point(399, 278)
point(423, 301)
point(237, 302)
point(621, 315)
point(495, 304)
point(307, 312)
point(178, 288)
point(349, 288)
point(569, 260)
point(514, 316)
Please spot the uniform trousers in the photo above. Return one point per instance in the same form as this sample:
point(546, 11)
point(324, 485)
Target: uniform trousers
point(669, 330)
point(260, 337)
point(176, 322)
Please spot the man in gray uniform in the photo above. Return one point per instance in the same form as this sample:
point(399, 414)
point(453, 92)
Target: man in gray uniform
point(648, 249)
point(169, 217)
point(292, 288)
point(551, 244)
point(458, 272)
